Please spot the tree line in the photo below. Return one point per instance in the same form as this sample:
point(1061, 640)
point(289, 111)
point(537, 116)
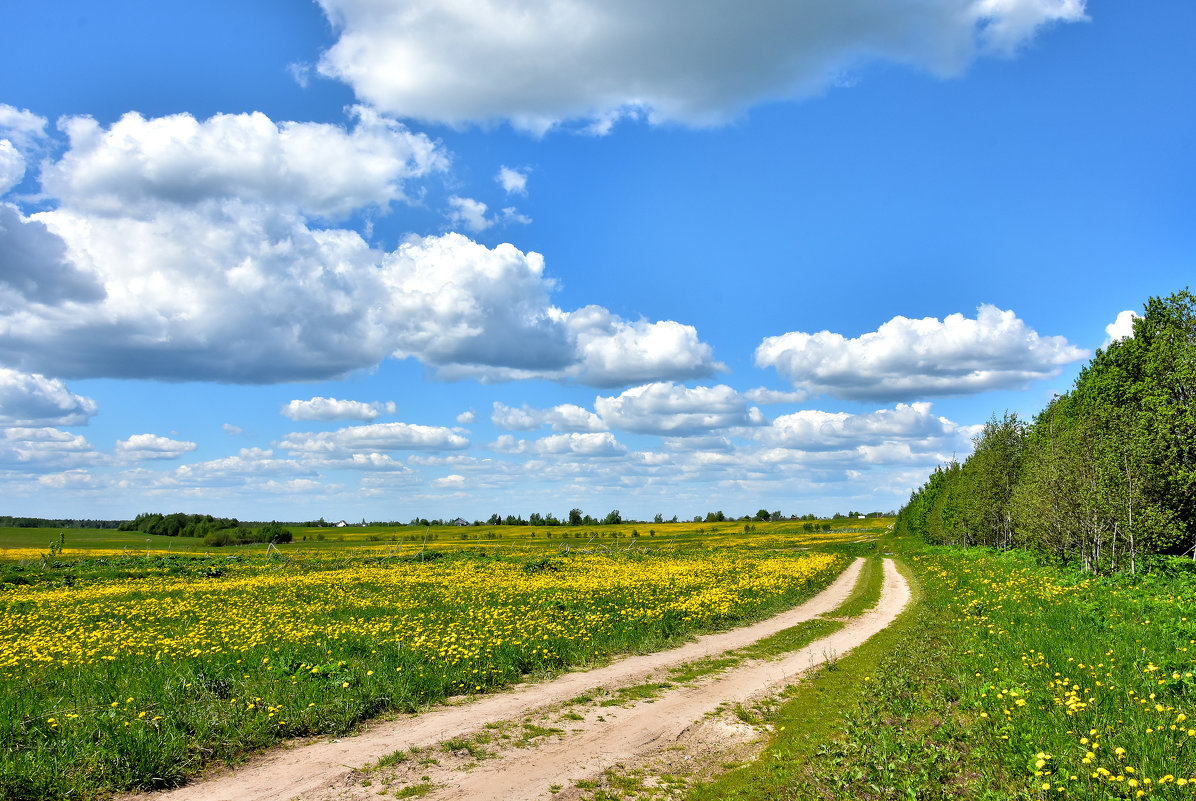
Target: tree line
point(215, 531)
point(1103, 476)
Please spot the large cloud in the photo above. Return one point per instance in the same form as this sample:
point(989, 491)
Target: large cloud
point(327, 170)
point(173, 257)
point(907, 358)
point(34, 266)
point(538, 62)
point(34, 400)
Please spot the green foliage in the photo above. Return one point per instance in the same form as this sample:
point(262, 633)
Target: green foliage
point(1103, 476)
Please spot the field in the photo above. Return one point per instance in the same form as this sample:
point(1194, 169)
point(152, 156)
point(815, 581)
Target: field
point(130, 664)
point(1008, 679)
point(127, 666)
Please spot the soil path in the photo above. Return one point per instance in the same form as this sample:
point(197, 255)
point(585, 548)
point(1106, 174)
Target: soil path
point(330, 769)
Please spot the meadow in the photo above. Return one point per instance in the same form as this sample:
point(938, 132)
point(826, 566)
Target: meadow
point(132, 662)
point(1011, 677)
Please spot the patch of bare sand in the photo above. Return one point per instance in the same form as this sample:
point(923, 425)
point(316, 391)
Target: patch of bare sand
point(533, 766)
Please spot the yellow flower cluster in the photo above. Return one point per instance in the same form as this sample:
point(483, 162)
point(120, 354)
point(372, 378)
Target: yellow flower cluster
point(449, 611)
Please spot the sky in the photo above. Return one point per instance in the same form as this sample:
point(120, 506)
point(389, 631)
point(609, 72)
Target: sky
point(357, 259)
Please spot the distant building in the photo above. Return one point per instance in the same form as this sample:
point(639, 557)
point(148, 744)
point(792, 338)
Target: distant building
point(341, 524)
point(460, 521)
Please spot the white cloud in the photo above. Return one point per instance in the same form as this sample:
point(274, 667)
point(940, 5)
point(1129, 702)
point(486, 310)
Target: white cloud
point(231, 430)
point(454, 481)
point(815, 430)
point(513, 182)
point(152, 446)
point(12, 166)
point(617, 352)
point(907, 358)
point(564, 417)
point(137, 163)
point(511, 216)
point(471, 311)
point(183, 250)
point(44, 449)
point(469, 213)
point(247, 463)
point(770, 396)
point(34, 267)
point(320, 408)
point(567, 445)
point(467, 417)
point(23, 127)
point(380, 437)
point(34, 400)
point(666, 408)
point(537, 63)
point(1121, 328)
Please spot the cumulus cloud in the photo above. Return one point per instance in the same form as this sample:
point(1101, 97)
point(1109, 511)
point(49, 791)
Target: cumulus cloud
point(667, 408)
point(467, 417)
point(907, 358)
point(470, 311)
point(815, 430)
point(185, 250)
point(469, 213)
point(564, 417)
point(152, 446)
point(26, 129)
point(540, 62)
point(44, 449)
point(34, 267)
point(513, 181)
point(452, 481)
point(34, 400)
point(12, 166)
point(1121, 328)
point(769, 396)
point(321, 169)
point(614, 351)
point(320, 408)
point(377, 437)
point(247, 463)
point(574, 444)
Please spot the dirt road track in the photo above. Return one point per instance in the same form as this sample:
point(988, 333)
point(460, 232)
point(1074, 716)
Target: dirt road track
point(325, 769)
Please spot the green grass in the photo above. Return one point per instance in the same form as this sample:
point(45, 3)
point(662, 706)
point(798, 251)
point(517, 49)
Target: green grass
point(269, 648)
point(1006, 679)
point(866, 593)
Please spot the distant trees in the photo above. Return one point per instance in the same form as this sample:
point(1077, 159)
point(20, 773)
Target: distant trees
point(214, 531)
point(1104, 474)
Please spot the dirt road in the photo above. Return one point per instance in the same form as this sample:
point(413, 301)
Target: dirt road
point(532, 742)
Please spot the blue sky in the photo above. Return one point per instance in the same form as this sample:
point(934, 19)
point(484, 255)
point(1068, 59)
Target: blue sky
point(354, 259)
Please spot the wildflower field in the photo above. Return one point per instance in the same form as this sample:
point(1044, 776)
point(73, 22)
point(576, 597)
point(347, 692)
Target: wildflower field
point(1007, 679)
point(132, 665)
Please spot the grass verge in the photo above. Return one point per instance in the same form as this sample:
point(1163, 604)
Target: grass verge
point(1005, 679)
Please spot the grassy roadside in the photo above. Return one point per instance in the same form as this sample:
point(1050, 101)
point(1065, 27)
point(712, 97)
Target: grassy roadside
point(1005, 679)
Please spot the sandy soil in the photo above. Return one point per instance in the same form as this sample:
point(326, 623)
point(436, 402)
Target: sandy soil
point(538, 740)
